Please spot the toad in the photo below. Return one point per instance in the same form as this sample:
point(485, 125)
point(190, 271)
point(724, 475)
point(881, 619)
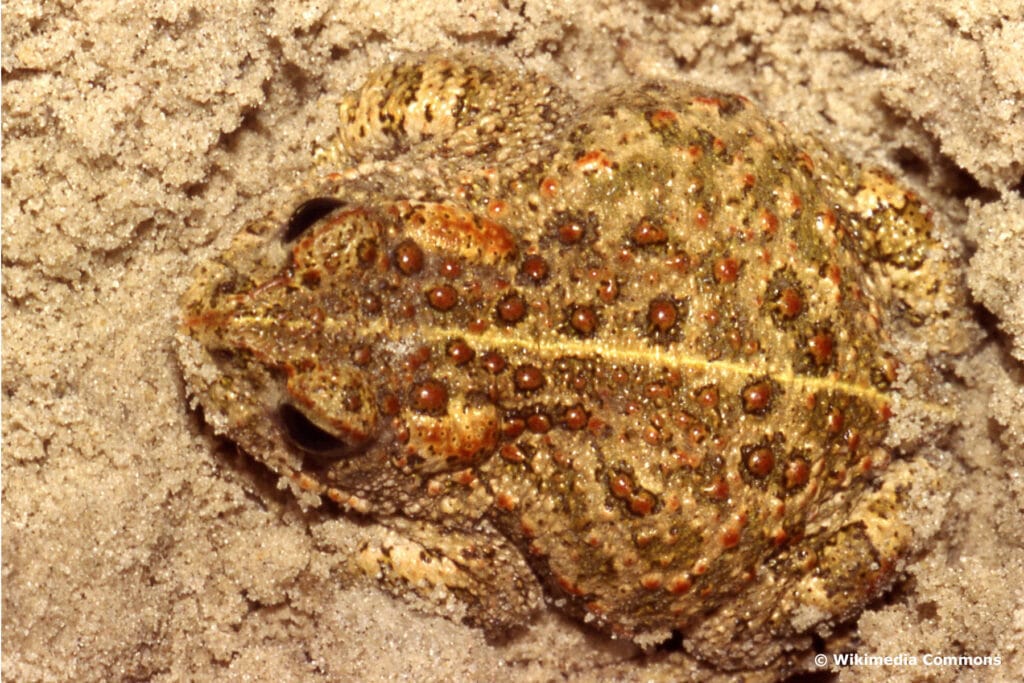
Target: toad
point(632, 353)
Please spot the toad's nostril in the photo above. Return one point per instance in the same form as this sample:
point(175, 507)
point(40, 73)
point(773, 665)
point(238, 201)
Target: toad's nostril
point(307, 214)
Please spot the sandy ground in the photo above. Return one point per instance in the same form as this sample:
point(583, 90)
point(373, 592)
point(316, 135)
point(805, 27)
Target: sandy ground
point(139, 136)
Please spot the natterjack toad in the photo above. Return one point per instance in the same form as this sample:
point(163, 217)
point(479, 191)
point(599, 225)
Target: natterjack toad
point(632, 350)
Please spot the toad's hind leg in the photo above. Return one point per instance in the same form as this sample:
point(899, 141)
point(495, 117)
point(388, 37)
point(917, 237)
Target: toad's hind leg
point(456, 104)
point(899, 243)
point(914, 277)
point(480, 569)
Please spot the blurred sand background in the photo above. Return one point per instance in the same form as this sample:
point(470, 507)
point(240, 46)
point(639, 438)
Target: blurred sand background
point(139, 136)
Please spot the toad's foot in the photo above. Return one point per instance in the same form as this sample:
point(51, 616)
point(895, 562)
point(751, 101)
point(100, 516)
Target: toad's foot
point(481, 569)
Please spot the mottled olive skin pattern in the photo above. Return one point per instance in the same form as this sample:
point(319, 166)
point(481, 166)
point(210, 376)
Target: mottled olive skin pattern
point(635, 344)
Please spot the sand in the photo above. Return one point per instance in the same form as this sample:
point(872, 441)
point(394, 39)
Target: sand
point(139, 136)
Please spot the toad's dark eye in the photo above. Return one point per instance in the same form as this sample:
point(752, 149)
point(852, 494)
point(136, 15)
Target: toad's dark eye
point(300, 432)
point(308, 213)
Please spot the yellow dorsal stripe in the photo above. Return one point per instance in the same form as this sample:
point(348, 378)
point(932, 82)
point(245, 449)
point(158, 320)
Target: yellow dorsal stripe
point(630, 353)
point(640, 354)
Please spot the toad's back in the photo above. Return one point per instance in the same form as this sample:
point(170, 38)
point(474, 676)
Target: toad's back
point(642, 341)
